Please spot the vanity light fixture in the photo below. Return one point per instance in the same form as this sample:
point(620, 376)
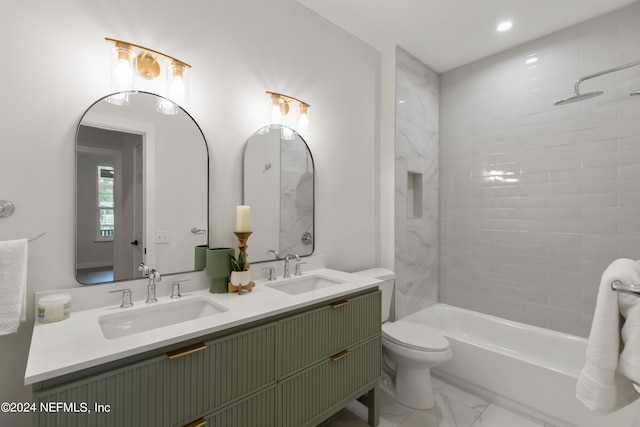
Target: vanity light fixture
point(128, 59)
point(280, 108)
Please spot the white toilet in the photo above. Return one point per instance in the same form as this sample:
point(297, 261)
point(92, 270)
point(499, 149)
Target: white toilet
point(409, 350)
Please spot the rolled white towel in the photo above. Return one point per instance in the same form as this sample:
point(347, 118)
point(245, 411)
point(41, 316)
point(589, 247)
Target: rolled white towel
point(602, 386)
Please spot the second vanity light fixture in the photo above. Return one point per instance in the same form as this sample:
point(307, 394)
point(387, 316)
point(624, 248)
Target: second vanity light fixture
point(129, 60)
point(280, 107)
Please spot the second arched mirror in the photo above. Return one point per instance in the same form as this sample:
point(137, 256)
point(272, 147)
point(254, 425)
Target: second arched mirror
point(279, 187)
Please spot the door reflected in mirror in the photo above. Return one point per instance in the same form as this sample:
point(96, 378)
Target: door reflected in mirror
point(279, 187)
point(141, 186)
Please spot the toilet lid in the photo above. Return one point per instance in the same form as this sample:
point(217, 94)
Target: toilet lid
point(414, 335)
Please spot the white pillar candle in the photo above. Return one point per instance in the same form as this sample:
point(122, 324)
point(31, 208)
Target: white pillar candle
point(242, 219)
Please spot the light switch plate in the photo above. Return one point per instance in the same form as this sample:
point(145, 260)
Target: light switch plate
point(162, 237)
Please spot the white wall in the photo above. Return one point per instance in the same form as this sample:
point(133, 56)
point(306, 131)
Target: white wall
point(536, 200)
point(238, 49)
point(91, 253)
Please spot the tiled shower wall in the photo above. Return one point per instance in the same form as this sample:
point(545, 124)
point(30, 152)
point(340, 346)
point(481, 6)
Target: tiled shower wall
point(416, 185)
point(536, 200)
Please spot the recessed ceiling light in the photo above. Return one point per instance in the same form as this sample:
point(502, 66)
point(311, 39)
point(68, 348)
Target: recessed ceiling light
point(504, 26)
point(531, 60)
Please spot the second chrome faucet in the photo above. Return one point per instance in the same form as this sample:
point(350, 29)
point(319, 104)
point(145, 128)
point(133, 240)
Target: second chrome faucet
point(287, 268)
point(154, 276)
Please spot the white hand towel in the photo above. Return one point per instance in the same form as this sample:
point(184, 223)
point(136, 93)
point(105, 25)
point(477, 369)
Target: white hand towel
point(13, 285)
point(602, 386)
point(629, 361)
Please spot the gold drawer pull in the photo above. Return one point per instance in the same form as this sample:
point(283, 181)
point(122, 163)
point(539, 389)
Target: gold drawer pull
point(197, 423)
point(340, 355)
point(338, 304)
point(174, 354)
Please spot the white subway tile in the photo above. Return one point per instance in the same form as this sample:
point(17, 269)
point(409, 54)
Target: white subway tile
point(598, 147)
point(599, 227)
point(564, 226)
point(606, 118)
point(551, 165)
point(574, 175)
point(630, 200)
point(614, 131)
point(549, 214)
point(629, 228)
point(551, 189)
point(584, 200)
point(536, 200)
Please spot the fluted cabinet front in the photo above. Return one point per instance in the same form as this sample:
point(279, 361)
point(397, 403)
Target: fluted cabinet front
point(308, 337)
point(256, 410)
point(304, 398)
point(169, 390)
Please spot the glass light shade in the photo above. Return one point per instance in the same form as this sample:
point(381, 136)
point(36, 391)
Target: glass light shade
point(178, 83)
point(303, 121)
point(287, 133)
point(123, 65)
point(276, 114)
point(165, 106)
point(121, 98)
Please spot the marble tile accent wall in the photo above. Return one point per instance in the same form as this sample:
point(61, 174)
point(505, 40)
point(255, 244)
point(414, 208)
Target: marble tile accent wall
point(416, 185)
point(536, 200)
point(296, 206)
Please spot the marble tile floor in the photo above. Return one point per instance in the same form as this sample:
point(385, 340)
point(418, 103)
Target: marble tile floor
point(454, 408)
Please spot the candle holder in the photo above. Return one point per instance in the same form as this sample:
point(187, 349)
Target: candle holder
point(242, 236)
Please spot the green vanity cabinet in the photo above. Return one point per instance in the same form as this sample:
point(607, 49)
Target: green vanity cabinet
point(291, 369)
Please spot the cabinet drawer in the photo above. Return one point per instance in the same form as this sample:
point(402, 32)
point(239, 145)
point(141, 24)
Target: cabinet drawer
point(308, 337)
point(256, 410)
point(164, 391)
point(309, 394)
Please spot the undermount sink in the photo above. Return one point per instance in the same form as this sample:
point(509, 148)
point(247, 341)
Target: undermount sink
point(301, 285)
point(126, 322)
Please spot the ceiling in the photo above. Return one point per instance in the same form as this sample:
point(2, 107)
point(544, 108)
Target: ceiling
point(445, 34)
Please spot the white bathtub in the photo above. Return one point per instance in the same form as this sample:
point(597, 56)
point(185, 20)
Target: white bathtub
point(530, 369)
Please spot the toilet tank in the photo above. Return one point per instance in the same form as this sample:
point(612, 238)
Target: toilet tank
point(388, 278)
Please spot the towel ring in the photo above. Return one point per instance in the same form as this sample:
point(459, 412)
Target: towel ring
point(36, 237)
point(6, 208)
point(618, 286)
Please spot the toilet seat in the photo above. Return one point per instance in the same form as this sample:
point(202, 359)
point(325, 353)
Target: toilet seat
point(415, 336)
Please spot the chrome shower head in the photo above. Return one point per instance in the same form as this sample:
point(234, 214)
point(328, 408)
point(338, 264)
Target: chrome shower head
point(579, 97)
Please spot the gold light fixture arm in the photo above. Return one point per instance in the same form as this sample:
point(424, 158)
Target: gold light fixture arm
point(275, 95)
point(121, 43)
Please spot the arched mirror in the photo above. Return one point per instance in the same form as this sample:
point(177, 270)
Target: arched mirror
point(279, 187)
point(141, 190)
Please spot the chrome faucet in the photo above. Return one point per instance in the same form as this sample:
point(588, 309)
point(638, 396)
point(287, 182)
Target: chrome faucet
point(273, 252)
point(154, 276)
point(144, 268)
point(287, 268)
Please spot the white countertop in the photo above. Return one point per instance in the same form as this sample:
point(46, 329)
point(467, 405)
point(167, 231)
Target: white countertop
point(78, 343)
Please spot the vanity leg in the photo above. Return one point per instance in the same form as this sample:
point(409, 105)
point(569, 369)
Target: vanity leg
point(374, 406)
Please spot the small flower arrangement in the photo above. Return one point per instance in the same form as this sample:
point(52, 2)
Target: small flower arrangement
point(240, 263)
